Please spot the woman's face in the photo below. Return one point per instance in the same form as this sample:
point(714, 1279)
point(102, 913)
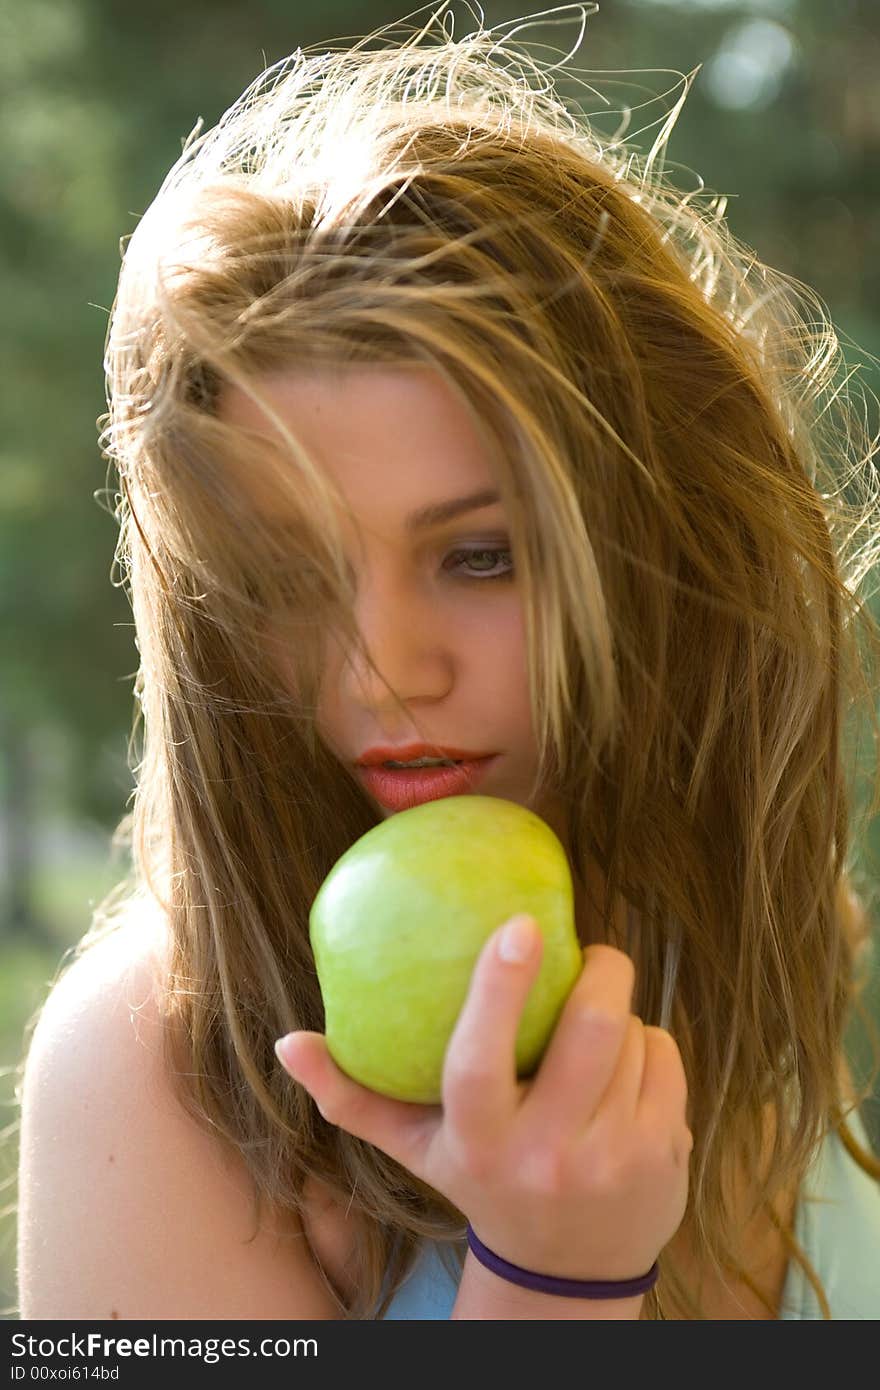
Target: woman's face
point(447, 637)
point(438, 604)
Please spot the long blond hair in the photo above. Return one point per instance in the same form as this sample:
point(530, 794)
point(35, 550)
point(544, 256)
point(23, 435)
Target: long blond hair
point(694, 515)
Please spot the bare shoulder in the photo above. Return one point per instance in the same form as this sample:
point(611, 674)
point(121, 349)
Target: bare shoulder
point(127, 1208)
point(112, 987)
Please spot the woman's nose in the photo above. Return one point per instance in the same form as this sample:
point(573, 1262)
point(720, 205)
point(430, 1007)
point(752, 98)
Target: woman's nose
point(406, 644)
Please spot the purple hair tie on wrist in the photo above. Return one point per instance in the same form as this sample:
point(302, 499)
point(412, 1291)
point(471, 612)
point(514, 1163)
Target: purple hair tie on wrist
point(568, 1288)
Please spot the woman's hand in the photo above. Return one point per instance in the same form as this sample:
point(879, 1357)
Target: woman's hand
point(580, 1172)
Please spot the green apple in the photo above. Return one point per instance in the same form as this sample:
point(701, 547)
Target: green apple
point(398, 923)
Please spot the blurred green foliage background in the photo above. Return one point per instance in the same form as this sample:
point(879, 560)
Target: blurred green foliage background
point(96, 99)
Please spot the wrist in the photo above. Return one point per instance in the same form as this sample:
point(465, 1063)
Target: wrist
point(565, 1286)
point(487, 1296)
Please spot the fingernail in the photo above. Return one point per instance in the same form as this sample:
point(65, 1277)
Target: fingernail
point(282, 1049)
point(517, 940)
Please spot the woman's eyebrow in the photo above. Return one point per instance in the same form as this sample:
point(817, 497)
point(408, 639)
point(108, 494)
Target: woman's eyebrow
point(432, 514)
point(436, 512)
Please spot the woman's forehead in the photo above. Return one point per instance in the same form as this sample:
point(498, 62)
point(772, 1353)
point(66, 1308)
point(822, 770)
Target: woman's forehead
point(396, 442)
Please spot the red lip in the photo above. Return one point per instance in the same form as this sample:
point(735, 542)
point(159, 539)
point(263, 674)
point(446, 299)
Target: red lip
point(399, 789)
point(405, 752)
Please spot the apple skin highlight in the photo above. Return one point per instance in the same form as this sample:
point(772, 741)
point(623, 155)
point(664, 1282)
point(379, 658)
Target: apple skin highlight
point(398, 923)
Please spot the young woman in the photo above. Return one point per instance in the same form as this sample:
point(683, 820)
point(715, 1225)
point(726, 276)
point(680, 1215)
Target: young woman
point(439, 422)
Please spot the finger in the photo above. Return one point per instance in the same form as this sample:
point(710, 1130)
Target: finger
point(402, 1129)
point(480, 1088)
point(617, 1106)
point(664, 1083)
point(664, 1089)
point(581, 1057)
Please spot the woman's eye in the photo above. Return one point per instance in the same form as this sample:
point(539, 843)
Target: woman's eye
point(480, 563)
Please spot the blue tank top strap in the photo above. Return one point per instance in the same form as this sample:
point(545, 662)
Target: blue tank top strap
point(837, 1223)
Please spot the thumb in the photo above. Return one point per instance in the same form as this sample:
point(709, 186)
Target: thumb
point(304, 1055)
point(402, 1129)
